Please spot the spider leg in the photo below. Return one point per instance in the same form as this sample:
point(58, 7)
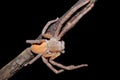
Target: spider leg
point(33, 60)
point(68, 14)
point(71, 67)
point(35, 41)
point(48, 24)
point(50, 66)
point(76, 18)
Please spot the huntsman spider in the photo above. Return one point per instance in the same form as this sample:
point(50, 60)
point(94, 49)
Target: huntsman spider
point(49, 45)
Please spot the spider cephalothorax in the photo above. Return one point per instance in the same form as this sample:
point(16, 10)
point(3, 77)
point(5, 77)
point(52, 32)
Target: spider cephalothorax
point(55, 46)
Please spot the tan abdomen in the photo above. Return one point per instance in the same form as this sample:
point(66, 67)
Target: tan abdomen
point(39, 49)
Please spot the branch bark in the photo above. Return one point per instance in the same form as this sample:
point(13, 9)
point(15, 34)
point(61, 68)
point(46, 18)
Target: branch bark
point(16, 64)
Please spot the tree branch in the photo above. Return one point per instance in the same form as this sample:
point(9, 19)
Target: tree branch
point(16, 64)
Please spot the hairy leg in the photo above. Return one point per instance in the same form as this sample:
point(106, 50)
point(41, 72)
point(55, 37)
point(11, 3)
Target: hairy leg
point(71, 67)
point(33, 60)
point(68, 14)
point(70, 24)
point(51, 67)
point(48, 24)
point(35, 41)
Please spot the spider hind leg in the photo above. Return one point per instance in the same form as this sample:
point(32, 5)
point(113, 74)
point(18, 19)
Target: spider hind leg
point(70, 67)
point(51, 67)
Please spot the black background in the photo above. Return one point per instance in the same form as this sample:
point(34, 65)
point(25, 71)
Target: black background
point(86, 43)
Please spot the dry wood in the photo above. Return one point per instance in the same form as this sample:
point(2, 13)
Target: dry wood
point(16, 64)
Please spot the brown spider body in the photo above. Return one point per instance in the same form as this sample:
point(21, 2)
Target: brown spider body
point(49, 45)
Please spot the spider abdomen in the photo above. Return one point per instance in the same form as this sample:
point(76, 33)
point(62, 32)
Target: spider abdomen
point(39, 48)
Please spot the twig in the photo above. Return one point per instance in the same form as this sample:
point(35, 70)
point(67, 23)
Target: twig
point(16, 64)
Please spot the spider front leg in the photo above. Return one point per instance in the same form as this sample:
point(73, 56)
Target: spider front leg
point(71, 67)
point(71, 23)
point(48, 24)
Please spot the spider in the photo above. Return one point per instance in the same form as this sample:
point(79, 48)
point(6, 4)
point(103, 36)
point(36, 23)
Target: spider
point(50, 46)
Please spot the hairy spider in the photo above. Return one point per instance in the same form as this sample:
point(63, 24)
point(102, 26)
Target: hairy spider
point(50, 46)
